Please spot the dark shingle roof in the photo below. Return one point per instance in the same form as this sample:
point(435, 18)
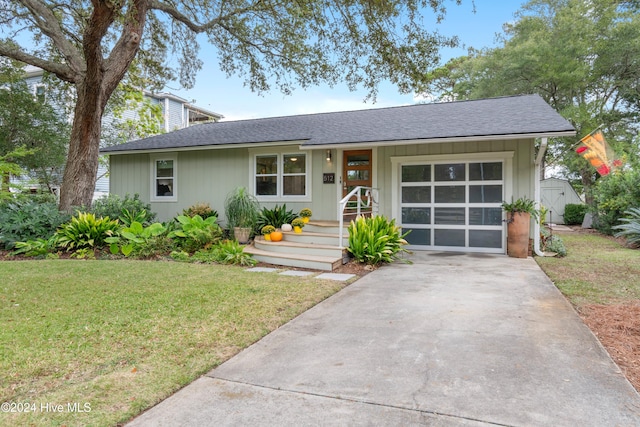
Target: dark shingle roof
point(506, 116)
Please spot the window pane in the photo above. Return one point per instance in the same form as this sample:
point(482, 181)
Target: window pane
point(448, 237)
point(164, 187)
point(485, 193)
point(266, 186)
point(449, 172)
point(294, 185)
point(485, 171)
point(416, 194)
point(164, 168)
point(450, 194)
point(266, 165)
point(418, 236)
point(416, 173)
point(357, 159)
point(294, 163)
point(358, 175)
point(449, 216)
point(485, 238)
point(485, 216)
point(416, 215)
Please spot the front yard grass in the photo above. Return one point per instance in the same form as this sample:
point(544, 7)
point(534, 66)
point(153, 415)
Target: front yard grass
point(112, 338)
point(596, 270)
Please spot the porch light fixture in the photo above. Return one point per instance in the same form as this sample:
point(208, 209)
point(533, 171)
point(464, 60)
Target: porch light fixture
point(328, 156)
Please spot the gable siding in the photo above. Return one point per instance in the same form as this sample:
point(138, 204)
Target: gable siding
point(175, 120)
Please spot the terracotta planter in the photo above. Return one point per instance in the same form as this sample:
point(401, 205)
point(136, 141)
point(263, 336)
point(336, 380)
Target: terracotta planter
point(518, 234)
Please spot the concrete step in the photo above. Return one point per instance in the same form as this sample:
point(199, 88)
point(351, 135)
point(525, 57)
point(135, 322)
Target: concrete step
point(311, 237)
point(287, 246)
point(326, 227)
point(313, 262)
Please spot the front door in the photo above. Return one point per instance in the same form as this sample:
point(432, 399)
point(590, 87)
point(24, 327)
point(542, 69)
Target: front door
point(356, 171)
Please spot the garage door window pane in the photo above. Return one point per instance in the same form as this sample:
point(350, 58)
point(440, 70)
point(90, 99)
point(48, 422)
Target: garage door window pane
point(416, 173)
point(448, 237)
point(416, 194)
point(485, 216)
point(449, 194)
point(449, 216)
point(449, 172)
point(416, 215)
point(485, 171)
point(418, 236)
point(485, 238)
point(485, 194)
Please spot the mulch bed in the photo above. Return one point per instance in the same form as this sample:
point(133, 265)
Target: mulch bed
point(618, 329)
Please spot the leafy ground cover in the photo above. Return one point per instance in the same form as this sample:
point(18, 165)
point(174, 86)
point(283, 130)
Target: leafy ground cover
point(108, 339)
point(601, 278)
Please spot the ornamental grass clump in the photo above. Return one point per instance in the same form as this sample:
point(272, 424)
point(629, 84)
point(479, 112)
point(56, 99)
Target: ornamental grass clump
point(375, 240)
point(631, 227)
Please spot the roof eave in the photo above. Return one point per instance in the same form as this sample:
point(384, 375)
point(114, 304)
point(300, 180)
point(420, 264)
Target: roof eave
point(479, 138)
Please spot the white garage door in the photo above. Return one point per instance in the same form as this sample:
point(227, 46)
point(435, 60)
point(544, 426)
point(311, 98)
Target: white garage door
point(453, 206)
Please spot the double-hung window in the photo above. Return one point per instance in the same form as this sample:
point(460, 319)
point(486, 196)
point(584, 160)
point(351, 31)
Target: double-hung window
point(163, 179)
point(281, 176)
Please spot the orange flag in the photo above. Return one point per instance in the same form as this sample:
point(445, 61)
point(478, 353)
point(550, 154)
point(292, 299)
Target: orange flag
point(598, 153)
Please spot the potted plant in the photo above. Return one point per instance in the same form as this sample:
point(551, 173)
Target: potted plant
point(241, 208)
point(305, 214)
point(267, 230)
point(519, 215)
point(297, 224)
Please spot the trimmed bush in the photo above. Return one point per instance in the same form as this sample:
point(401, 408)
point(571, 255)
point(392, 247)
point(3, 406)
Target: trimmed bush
point(574, 213)
point(202, 209)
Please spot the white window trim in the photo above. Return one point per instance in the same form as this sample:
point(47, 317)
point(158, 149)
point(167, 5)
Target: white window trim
point(280, 153)
point(154, 160)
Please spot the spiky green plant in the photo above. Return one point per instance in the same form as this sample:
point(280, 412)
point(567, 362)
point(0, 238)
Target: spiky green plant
point(375, 240)
point(631, 228)
point(86, 231)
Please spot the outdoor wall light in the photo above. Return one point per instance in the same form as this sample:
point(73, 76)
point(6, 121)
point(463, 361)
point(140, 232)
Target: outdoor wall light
point(328, 156)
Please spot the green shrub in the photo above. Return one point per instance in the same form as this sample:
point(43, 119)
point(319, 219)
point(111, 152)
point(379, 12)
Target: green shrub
point(574, 213)
point(275, 216)
point(613, 195)
point(631, 227)
point(226, 252)
point(114, 206)
point(202, 209)
point(140, 241)
point(36, 248)
point(85, 231)
point(375, 240)
point(196, 233)
point(555, 244)
point(27, 219)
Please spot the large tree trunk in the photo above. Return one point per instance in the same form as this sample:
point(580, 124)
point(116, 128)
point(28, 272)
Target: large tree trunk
point(81, 169)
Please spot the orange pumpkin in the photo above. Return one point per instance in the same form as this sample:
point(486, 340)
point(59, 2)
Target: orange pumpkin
point(276, 236)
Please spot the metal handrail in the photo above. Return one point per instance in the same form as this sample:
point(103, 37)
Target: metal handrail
point(370, 194)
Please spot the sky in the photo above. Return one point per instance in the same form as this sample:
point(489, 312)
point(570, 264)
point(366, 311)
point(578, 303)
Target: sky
point(227, 96)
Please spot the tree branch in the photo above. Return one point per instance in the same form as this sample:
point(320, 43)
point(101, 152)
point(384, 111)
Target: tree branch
point(193, 26)
point(50, 25)
point(63, 71)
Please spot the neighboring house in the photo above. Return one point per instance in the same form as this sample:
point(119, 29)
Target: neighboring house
point(556, 194)
point(177, 113)
point(441, 170)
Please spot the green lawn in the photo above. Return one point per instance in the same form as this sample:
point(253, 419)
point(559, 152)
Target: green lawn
point(119, 336)
point(596, 270)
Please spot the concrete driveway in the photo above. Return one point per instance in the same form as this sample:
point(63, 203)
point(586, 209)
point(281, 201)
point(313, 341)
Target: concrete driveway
point(452, 340)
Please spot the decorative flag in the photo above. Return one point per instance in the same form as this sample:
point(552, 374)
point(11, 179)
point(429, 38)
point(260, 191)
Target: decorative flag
point(598, 153)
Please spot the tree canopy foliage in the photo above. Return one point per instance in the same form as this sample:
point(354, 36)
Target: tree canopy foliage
point(581, 56)
point(96, 45)
point(33, 136)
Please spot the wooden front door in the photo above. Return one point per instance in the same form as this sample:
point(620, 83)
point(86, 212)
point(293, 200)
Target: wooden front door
point(356, 171)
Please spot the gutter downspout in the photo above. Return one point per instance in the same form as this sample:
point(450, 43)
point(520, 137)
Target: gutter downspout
point(536, 196)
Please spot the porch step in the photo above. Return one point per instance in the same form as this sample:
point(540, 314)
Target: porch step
point(315, 262)
point(326, 227)
point(310, 237)
point(288, 246)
